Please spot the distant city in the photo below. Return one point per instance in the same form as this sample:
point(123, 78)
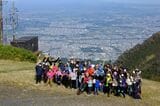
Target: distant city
point(101, 33)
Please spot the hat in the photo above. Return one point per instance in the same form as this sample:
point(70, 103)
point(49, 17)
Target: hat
point(136, 69)
point(40, 64)
point(92, 65)
point(133, 72)
point(115, 73)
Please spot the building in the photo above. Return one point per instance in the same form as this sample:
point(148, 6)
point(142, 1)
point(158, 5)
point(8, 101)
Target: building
point(27, 42)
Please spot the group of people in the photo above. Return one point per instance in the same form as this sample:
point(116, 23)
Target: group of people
point(90, 78)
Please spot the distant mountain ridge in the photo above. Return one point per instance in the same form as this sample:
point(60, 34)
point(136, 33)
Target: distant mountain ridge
point(145, 56)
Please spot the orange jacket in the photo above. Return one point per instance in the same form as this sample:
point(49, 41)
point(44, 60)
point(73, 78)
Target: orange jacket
point(90, 71)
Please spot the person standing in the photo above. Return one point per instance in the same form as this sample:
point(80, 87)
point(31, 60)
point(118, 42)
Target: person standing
point(107, 84)
point(39, 73)
point(90, 85)
point(73, 76)
point(97, 86)
point(50, 75)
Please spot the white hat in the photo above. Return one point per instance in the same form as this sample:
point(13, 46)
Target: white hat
point(136, 69)
point(92, 65)
point(133, 72)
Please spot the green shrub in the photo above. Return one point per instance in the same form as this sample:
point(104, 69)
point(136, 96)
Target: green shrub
point(18, 54)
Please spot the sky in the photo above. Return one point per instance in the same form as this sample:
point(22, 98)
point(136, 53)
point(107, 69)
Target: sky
point(87, 1)
point(47, 4)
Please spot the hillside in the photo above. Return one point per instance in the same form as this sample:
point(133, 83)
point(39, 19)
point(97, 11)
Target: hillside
point(17, 54)
point(17, 88)
point(145, 56)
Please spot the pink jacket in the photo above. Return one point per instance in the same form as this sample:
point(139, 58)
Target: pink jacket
point(55, 68)
point(59, 73)
point(50, 74)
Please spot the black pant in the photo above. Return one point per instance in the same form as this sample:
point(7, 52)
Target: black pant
point(38, 79)
point(73, 84)
point(115, 90)
point(106, 90)
point(89, 90)
point(121, 90)
point(65, 81)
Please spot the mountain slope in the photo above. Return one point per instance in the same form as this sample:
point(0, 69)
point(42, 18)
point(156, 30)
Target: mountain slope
point(145, 56)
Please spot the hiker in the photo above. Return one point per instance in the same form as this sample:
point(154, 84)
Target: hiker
point(90, 70)
point(138, 79)
point(73, 76)
point(136, 93)
point(108, 81)
point(54, 68)
point(83, 85)
point(97, 86)
point(39, 73)
point(90, 84)
point(122, 85)
point(129, 84)
point(65, 77)
point(99, 72)
point(115, 87)
point(81, 67)
point(58, 77)
point(50, 74)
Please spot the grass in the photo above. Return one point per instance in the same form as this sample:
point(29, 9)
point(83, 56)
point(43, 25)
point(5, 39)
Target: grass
point(21, 75)
point(18, 54)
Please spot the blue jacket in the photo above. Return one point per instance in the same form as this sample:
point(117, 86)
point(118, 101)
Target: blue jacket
point(39, 70)
point(97, 84)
